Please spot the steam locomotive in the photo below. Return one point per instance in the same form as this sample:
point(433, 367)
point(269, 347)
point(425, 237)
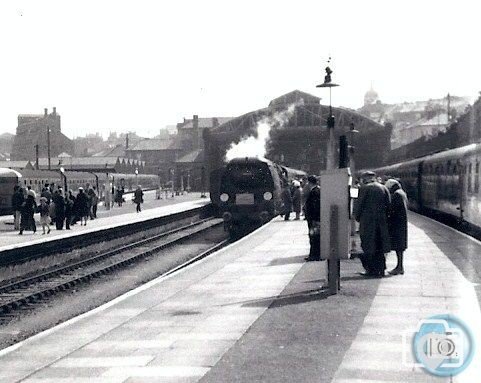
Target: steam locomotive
point(248, 191)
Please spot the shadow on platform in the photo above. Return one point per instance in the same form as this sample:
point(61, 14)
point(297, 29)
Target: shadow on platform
point(288, 299)
point(287, 260)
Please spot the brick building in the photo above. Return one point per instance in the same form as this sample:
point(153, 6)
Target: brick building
point(32, 130)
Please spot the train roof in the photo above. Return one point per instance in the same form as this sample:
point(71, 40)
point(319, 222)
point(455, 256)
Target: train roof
point(244, 160)
point(9, 173)
point(445, 155)
point(293, 171)
point(457, 153)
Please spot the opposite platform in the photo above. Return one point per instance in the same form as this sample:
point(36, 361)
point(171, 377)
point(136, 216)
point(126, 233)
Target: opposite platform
point(118, 216)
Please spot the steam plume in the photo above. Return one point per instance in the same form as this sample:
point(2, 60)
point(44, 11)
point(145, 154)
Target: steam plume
point(255, 146)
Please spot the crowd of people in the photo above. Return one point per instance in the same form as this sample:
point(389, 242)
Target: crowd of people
point(380, 209)
point(55, 207)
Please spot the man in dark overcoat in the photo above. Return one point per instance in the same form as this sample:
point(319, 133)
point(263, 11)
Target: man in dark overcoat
point(59, 202)
point(312, 210)
point(286, 202)
point(371, 211)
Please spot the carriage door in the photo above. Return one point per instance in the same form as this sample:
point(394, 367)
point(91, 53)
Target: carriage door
point(462, 169)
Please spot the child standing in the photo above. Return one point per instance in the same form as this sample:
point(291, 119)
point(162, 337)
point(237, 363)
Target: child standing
point(44, 215)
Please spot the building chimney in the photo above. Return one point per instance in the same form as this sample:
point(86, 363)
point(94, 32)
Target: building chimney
point(127, 141)
point(195, 121)
point(45, 112)
point(54, 112)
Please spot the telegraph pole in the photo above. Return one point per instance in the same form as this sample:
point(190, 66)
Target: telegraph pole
point(48, 146)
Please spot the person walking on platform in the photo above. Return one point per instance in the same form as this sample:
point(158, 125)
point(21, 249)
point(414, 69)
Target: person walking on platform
point(312, 210)
point(398, 223)
point(286, 202)
point(94, 202)
point(17, 201)
point(59, 202)
point(46, 193)
point(27, 222)
point(82, 206)
point(371, 211)
point(297, 199)
point(44, 215)
point(138, 197)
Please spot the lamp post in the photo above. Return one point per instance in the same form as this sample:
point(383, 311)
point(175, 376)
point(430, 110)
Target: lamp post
point(136, 174)
point(331, 122)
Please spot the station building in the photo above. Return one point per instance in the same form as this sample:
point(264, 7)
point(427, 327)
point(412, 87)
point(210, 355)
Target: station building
point(32, 130)
point(299, 138)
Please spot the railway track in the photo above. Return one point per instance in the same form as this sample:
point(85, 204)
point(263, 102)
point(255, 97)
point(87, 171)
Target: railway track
point(35, 288)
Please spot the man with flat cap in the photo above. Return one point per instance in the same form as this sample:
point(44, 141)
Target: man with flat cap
point(371, 211)
point(313, 216)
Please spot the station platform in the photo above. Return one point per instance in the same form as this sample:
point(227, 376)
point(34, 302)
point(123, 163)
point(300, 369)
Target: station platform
point(151, 208)
point(256, 312)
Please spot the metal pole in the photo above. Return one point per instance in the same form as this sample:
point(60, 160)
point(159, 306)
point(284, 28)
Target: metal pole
point(48, 146)
point(202, 194)
point(333, 279)
point(36, 157)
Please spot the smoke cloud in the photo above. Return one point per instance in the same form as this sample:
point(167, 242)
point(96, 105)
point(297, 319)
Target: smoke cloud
point(255, 146)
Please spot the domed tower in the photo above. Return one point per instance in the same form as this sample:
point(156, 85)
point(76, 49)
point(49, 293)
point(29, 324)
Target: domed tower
point(370, 97)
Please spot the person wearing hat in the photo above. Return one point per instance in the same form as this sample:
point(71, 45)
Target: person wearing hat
point(398, 223)
point(138, 197)
point(27, 221)
point(371, 211)
point(59, 202)
point(313, 216)
point(296, 199)
point(82, 206)
point(44, 215)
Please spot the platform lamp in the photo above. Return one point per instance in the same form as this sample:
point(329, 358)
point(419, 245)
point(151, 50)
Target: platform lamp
point(136, 174)
point(62, 170)
point(331, 122)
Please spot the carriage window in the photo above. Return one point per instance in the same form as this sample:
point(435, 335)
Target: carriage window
point(476, 179)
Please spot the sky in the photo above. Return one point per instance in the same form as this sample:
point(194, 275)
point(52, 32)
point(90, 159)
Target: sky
point(141, 65)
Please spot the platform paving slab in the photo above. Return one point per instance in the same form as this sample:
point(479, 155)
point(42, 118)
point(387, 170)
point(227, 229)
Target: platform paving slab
point(193, 327)
point(356, 336)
